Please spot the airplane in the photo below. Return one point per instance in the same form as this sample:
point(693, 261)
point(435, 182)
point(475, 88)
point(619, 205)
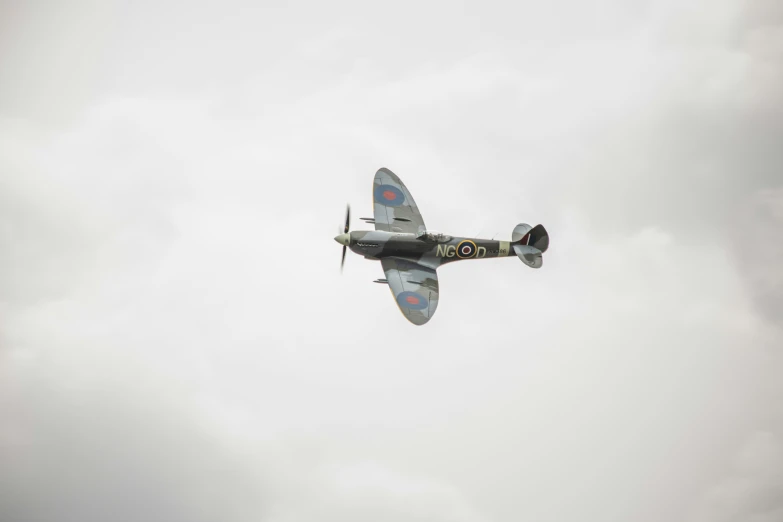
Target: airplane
point(410, 254)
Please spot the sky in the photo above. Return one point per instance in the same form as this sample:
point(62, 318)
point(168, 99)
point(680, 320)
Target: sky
point(177, 342)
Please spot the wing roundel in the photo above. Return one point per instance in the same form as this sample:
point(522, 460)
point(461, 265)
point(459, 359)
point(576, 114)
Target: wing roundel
point(393, 206)
point(415, 288)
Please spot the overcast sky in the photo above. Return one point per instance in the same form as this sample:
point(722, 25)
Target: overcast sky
point(177, 343)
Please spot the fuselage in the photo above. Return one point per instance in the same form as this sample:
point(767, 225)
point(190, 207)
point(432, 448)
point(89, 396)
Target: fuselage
point(430, 250)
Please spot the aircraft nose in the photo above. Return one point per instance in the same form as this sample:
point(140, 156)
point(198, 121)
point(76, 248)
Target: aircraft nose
point(343, 239)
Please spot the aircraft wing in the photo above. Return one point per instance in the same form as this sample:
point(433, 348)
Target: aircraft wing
point(393, 206)
point(415, 288)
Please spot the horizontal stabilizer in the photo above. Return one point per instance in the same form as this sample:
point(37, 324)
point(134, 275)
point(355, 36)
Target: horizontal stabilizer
point(529, 255)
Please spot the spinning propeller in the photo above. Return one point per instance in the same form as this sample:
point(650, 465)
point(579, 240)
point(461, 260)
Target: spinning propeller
point(343, 238)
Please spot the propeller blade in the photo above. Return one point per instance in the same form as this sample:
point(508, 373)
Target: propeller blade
point(345, 231)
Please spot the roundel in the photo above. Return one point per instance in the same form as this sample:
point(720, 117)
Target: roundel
point(388, 195)
point(466, 248)
point(412, 300)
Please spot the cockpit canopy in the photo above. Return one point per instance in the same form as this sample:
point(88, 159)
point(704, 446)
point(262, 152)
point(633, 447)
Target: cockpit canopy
point(434, 236)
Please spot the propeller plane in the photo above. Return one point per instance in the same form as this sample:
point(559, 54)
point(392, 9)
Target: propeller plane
point(410, 254)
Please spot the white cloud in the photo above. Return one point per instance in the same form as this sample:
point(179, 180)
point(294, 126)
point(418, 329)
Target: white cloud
point(175, 334)
point(753, 491)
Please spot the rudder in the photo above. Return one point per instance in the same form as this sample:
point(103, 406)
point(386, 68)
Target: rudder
point(536, 237)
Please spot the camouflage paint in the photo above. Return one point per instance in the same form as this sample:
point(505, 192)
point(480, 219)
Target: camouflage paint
point(410, 259)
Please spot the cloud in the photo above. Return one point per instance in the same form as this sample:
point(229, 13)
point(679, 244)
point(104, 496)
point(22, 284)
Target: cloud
point(754, 489)
point(86, 448)
point(176, 342)
point(760, 221)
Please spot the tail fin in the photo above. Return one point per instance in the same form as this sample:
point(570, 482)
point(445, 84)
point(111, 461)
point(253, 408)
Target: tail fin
point(520, 231)
point(530, 243)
